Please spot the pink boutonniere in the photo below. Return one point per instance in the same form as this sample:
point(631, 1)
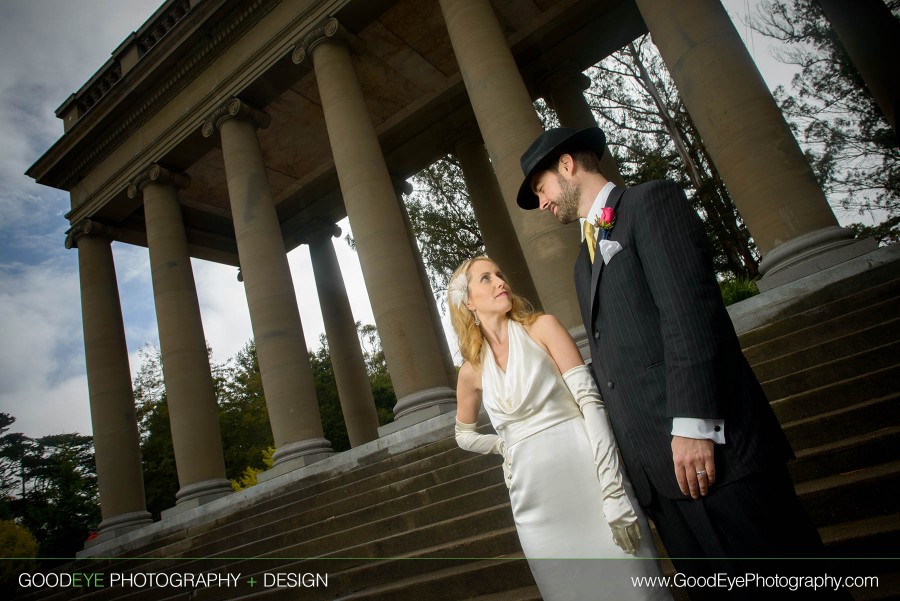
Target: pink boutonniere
point(605, 222)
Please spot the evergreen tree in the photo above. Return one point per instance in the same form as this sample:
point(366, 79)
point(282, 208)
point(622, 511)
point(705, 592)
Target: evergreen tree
point(849, 143)
point(652, 136)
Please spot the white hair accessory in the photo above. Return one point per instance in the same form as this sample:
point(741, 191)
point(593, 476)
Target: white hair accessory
point(459, 290)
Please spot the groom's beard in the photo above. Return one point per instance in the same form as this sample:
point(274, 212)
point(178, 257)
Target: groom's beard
point(567, 202)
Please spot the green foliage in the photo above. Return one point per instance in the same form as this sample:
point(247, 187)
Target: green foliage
point(247, 442)
point(248, 478)
point(330, 412)
point(376, 367)
point(49, 486)
point(157, 452)
point(443, 221)
point(18, 548)
point(243, 417)
point(326, 388)
point(735, 290)
point(848, 141)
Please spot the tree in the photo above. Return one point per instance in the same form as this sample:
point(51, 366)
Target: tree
point(18, 547)
point(652, 136)
point(850, 145)
point(243, 416)
point(443, 222)
point(379, 377)
point(157, 452)
point(333, 426)
point(14, 447)
point(49, 486)
point(326, 387)
point(61, 501)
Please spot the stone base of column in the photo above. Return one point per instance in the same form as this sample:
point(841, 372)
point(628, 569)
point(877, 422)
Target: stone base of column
point(119, 525)
point(296, 455)
point(809, 254)
point(579, 335)
point(195, 495)
point(419, 406)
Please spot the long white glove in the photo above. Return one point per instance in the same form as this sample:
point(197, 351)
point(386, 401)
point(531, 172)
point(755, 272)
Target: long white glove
point(469, 439)
point(616, 507)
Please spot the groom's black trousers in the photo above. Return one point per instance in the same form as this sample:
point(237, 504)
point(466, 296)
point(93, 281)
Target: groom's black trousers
point(755, 525)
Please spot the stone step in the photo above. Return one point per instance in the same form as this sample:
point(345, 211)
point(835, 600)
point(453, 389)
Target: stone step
point(870, 360)
point(396, 535)
point(868, 537)
point(856, 420)
point(865, 493)
point(328, 487)
point(487, 580)
point(847, 455)
point(528, 593)
point(830, 302)
point(837, 395)
point(884, 332)
point(423, 459)
point(321, 514)
point(824, 331)
point(370, 576)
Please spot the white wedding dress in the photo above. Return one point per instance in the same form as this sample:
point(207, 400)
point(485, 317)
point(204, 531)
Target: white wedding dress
point(554, 489)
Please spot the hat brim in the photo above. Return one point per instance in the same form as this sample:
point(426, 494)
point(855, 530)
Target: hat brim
point(591, 138)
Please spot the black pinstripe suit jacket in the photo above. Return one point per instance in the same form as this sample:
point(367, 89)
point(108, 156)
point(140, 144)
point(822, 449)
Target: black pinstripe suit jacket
point(662, 344)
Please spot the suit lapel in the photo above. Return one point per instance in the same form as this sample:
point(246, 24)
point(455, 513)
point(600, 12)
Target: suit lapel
point(583, 282)
point(613, 201)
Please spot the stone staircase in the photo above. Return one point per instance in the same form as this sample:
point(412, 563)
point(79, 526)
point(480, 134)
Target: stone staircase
point(433, 522)
point(831, 369)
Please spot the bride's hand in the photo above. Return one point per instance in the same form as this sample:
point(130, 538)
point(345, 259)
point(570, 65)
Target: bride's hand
point(623, 522)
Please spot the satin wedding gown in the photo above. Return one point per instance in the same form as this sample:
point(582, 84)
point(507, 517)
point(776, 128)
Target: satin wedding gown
point(554, 490)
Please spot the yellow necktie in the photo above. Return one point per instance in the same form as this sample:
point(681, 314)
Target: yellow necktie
point(590, 238)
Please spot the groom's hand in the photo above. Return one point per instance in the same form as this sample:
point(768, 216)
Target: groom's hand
point(695, 466)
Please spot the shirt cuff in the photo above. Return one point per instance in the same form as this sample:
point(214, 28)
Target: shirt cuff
point(693, 427)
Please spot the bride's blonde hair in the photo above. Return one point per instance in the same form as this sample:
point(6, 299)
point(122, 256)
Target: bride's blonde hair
point(471, 340)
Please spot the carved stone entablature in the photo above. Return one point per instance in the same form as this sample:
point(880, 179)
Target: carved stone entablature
point(327, 30)
point(81, 229)
point(234, 108)
point(157, 174)
point(163, 25)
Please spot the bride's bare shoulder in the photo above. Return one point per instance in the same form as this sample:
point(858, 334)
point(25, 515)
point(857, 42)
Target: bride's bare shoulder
point(545, 325)
point(469, 376)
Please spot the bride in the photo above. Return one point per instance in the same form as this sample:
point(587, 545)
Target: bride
point(578, 522)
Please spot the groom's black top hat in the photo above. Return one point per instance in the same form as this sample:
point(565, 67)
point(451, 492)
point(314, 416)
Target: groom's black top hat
point(547, 149)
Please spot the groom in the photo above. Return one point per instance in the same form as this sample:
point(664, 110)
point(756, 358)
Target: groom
point(704, 451)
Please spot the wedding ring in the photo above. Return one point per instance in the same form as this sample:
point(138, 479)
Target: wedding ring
point(701, 473)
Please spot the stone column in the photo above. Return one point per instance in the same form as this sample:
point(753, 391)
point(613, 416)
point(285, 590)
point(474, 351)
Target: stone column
point(280, 346)
point(758, 158)
point(191, 397)
point(870, 34)
point(401, 187)
point(509, 125)
point(116, 442)
point(389, 266)
point(500, 241)
point(565, 88)
point(353, 386)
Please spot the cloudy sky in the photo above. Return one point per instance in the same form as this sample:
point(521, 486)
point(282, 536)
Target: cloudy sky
point(48, 49)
